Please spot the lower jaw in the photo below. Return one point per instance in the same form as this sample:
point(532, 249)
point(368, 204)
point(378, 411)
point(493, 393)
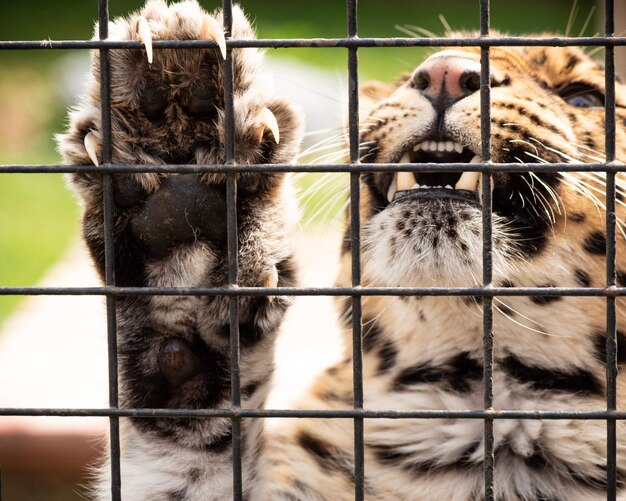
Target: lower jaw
point(437, 194)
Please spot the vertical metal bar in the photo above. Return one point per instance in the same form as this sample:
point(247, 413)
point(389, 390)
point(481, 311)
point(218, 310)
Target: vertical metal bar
point(355, 240)
point(611, 327)
point(233, 251)
point(109, 248)
point(0, 472)
point(485, 131)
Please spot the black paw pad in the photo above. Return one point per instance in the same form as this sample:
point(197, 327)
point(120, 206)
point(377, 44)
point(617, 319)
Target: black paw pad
point(177, 362)
point(183, 210)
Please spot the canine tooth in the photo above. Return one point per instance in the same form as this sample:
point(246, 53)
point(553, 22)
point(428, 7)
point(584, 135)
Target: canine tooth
point(406, 159)
point(393, 187)
point(417, 146)
point(145, 35)
point(268, 121)
point(271, 280)
point(449, 146)
point(405, 180)
point(91, 146)
point(468, 181)
point(476, 160)
point(441, 146)
point(211, 30)
point(415, 186)
point(458, 148)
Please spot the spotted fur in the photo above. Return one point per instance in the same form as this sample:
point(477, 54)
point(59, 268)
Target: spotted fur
point(419, 352)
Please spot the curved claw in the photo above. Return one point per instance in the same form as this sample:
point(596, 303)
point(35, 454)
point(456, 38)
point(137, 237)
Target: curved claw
point(211, 30)
point(145, 36)
point(268, 121)
point(91, 146)
point(271, 280)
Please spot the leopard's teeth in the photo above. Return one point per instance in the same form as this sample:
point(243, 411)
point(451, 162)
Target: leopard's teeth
point(406, 180)
point(468, 181)
point(393, 187)
point(439, 146)
point(401, 180)
point(268, 121)
point(145, 36)
point(211, 30)
point(91, 146)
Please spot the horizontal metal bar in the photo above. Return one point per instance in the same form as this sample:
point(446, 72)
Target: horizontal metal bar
point(345, 167)
point(233, 291)
point(286, 43)
point(312, 413)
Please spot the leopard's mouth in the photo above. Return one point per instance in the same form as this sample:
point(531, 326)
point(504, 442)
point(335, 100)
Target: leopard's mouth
point(462, 186)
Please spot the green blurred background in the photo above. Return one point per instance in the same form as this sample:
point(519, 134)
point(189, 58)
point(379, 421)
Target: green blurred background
point(39, 216)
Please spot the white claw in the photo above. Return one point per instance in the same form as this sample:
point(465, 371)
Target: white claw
point(211, 30)
point(91, 146)
point(145, 35)
point(268, 121)
point(271, 280)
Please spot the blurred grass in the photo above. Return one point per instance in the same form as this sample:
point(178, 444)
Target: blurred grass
point(38, 215)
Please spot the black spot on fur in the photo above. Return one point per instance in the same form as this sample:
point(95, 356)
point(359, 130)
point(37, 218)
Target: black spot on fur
point(595, 243)
point(396, 456)
point(371, 335)
point(540, 59)
point(572, 61)
point(193, 475)
point(325, 455)
point(220, 443)
point(180, 495)
point(248, 390)
point(577, 217)
point(388, 354)
point(621, 278)
point(458, 374)
point(577, 380)
point(600, 347)
point(598, 481)
point(582, 278)
point(545, 299)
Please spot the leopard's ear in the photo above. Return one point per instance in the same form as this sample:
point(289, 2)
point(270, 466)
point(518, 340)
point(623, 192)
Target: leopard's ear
point(370, 94)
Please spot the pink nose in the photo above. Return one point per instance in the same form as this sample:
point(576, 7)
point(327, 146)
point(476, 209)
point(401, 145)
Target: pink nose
point(446, 79)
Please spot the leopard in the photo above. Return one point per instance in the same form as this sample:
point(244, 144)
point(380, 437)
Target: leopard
point(417, 229)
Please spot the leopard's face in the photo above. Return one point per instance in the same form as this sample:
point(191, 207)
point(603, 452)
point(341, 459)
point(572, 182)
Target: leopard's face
point(546, 106)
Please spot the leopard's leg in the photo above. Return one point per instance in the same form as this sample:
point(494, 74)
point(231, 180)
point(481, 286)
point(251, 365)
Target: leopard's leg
point(170, 231)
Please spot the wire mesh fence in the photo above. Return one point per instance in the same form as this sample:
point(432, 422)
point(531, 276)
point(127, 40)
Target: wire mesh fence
point(351, 43)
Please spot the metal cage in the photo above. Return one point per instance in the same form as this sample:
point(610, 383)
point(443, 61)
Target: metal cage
point(487, 292)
